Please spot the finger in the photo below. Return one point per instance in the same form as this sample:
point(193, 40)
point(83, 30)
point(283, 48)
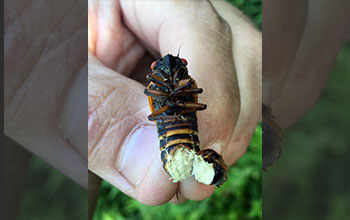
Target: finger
point(193, 190)
point(309, 56)
point(123, 144)
point(178, 199)
point(247, 56)
point(113, 45)
point(156, 188)
point(169, 24)
point(206, 44)
point(38, 116)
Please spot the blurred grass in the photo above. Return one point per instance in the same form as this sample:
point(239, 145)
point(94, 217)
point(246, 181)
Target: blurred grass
point(239, 198)
point(51, 195)
point(311, 180)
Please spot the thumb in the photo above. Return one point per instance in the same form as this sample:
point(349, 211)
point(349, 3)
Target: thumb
point(123, 144)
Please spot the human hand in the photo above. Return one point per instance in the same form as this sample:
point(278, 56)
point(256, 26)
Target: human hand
point(224, 57)
point(45, 98)
point(299, 53)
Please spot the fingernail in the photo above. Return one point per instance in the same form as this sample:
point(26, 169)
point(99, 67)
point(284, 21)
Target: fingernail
point(139, 152)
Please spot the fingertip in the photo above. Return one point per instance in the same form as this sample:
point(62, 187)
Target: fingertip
point(178, 199)
point(156, 188)
point(193, 190)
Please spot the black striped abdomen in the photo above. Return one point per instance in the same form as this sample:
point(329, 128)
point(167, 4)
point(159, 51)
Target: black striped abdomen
point(172, 133)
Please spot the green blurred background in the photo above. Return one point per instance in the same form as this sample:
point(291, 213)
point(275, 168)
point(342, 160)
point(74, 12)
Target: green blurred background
point(239, 198)
point(49, 195)
point(312, 178)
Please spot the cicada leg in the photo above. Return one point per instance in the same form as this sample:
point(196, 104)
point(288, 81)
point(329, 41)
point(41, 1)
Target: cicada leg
point(192, 105)
point(156, 94)
point(156, 114)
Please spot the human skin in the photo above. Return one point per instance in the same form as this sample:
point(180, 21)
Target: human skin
point(45, 74)
point(298, 53)
point(223, 50)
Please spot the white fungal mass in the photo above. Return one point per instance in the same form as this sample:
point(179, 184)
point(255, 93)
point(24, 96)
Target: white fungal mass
point(203, 171)
point(184, 164)
point(180, 164)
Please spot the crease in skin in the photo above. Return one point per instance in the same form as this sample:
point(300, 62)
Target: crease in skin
point(69, 104)
point(16, 15)
point(29, 72)
point(300, 42)
point(68, 143)
point(61, 20)
point(107, 99)
point(132, 51)
point(148, 170)
point(131, 186)
point(70, 111)
point(43, 53)
point(94, 149)
point(139, 27)
point(92, 28)
point(102, 101)
point(216, 146)
point(116, 153)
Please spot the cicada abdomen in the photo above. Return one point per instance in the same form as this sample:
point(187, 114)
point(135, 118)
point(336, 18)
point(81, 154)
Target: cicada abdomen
point(173, 99)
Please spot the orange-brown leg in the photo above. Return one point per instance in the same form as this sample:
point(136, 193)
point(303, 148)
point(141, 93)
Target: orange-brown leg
point(155, 115)
point(192, 105)
point(184, 83)
point(149, 77)
point(156, 94)
point(189, 91)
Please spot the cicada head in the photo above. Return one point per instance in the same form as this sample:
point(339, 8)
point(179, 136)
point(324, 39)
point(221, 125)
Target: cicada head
point(168, 65)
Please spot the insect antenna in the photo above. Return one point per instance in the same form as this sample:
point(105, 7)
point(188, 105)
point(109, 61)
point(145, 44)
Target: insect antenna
point(178, 51)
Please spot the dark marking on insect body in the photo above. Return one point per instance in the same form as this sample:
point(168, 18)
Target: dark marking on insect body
point(173, 99)
point(219, 165)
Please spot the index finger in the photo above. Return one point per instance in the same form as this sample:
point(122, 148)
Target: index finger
point(206, 45)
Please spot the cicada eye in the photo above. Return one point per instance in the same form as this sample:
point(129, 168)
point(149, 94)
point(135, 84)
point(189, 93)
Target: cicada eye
point(184, 61)
point(153, 65)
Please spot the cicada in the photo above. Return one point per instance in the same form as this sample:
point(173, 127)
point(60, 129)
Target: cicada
point(173, 99)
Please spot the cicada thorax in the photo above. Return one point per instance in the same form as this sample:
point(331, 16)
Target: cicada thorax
point(173, 99)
